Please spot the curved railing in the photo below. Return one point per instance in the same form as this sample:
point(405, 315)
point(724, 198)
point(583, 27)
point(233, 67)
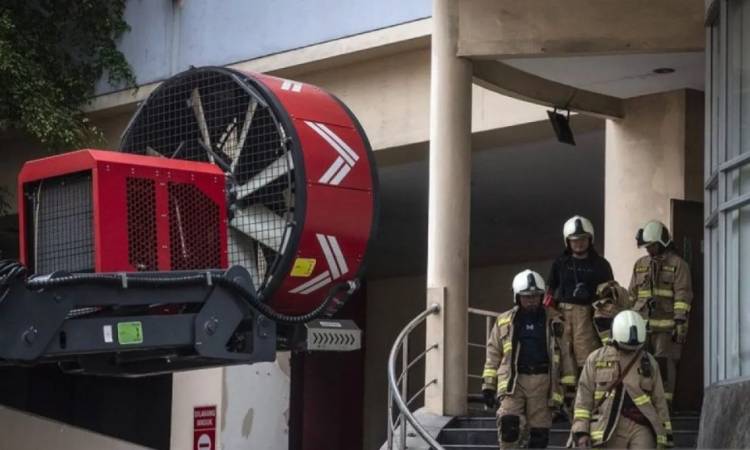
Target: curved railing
point(398, 386)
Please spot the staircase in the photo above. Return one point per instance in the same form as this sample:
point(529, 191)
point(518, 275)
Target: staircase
point(479, 432)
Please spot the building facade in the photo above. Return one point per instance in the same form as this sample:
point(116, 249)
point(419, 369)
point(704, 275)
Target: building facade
point(474, 185)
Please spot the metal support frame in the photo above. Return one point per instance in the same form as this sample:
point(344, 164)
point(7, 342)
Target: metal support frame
point(206, 325)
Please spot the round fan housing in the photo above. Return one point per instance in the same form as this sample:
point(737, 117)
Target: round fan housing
point(301, 179)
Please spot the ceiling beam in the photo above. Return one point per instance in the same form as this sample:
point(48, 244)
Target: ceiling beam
point(507, 80)
point(499, 29)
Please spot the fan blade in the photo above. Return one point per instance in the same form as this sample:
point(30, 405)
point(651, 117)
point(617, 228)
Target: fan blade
point(261, 224)
point(197, 104)
point(262, 263)
point(251, 107)
point(177, 150)
point(214, 158)
point(151, 152)
point(288, 198)
point(229, 141)
point(242, 250)
point(280, 167)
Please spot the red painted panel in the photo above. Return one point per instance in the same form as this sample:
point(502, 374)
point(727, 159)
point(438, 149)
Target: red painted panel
point(341, 218)
point(111, 172)
point(306, 102)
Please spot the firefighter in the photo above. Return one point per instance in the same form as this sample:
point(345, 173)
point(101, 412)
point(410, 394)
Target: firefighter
point(661, 291)
point(620, 401)
point(523, 363)
point(573, 280)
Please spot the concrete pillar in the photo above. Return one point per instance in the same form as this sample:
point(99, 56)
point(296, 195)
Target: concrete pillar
point(653, 155)
point(448, 228)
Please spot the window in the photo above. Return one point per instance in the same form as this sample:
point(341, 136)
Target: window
point(727, 237)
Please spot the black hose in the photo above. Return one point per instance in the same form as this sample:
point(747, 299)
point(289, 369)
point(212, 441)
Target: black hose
point(237, 288)
point(10, 270)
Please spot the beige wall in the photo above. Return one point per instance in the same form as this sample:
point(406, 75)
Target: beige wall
point(393, 302)
point(651, 158)
point(255, 413)
point(191, 389)
point(390, 96)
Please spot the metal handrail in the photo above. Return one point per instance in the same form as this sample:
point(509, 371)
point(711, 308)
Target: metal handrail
point(489, 321)
point(398, 395)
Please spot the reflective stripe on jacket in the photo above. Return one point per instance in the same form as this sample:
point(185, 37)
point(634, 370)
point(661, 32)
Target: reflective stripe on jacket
point(503, 348)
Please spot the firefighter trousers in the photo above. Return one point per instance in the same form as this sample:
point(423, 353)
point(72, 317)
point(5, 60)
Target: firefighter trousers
point(579, 331)
point(667, 354)
point(629, 434)
point(529, 400)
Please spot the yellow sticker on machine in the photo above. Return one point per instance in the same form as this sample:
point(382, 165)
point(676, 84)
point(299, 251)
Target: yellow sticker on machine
point(303, 267)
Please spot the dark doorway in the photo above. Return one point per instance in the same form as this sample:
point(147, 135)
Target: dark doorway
point(687, 230)
point(327, 392)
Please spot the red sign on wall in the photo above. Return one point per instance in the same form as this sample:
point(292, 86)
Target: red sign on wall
point(204, 428)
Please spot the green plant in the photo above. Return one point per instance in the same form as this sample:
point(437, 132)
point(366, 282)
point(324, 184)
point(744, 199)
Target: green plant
point(52, 53)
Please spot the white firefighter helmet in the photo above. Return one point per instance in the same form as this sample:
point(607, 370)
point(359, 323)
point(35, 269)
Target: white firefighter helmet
point(528, 282)
point(629, 329)
point(578, 226)
point(653, 232)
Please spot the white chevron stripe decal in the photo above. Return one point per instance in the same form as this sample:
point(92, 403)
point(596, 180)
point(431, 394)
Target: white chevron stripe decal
point(329, 256)
point(326, 178)
point(312, 282)
point(346, 161)
point(343, 145)
point(336, 264)
point(292, 86)
point(339, 255)
point(340, 176)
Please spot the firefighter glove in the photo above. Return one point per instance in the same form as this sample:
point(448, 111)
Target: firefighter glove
point(549, 300)
point(489, 398)
point(680, 331)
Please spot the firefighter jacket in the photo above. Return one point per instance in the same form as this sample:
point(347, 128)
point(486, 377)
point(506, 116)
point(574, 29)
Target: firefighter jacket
point(611, 299)
point(661, 291)
point(503, 350)
point(597, 410)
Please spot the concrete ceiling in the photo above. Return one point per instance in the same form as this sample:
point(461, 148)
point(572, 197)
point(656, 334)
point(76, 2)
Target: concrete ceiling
point(521, 195)
point(622, 76)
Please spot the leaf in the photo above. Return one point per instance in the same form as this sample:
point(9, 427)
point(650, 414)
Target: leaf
point(52, 53)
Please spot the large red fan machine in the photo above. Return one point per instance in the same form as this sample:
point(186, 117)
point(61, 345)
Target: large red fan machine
point(235, 220)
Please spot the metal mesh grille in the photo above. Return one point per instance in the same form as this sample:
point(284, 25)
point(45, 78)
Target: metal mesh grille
point(211, 115)
point(193, 229)
point(62, 211)
point(142, 240)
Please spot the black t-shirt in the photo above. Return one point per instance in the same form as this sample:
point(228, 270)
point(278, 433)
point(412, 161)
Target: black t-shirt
point(568, 272)
point(532, 335)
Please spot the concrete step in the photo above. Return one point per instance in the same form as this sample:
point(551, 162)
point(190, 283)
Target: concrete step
point(480, 432)
point(683, 422)
point(486, 436)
